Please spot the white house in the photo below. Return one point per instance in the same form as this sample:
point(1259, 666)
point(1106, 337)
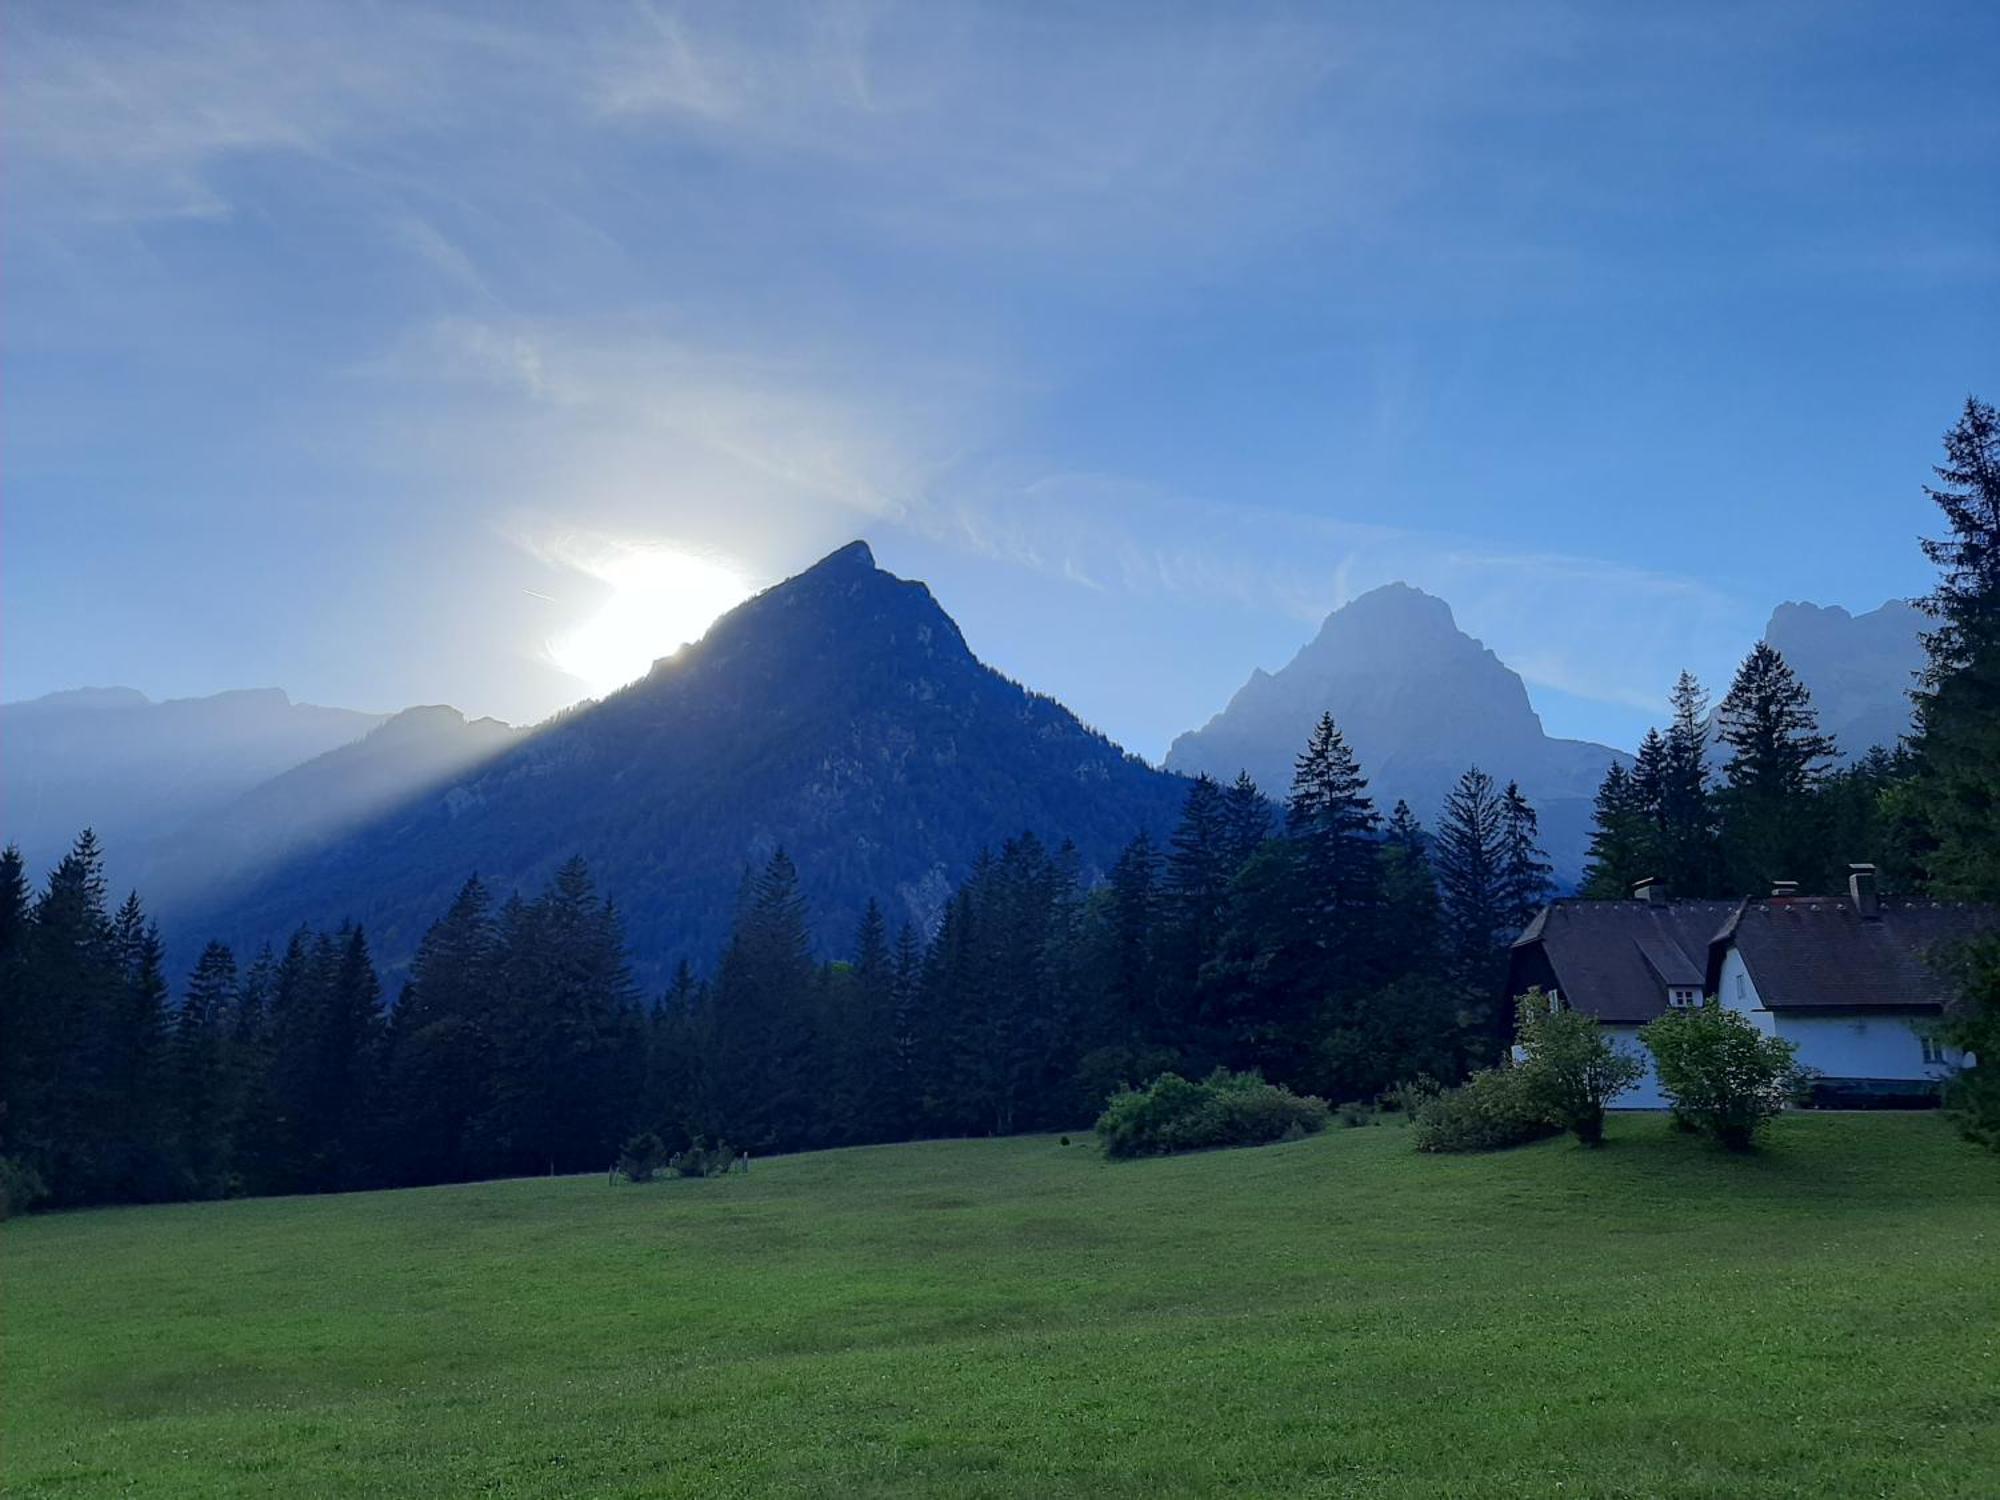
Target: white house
point(1854, 982)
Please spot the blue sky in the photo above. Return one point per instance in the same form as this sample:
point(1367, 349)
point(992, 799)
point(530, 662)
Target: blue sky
point(382, 352)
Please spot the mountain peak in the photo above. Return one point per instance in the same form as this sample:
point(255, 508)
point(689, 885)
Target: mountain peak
point(855, 555)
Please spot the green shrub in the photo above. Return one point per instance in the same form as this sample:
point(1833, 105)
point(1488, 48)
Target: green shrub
point(1723, 1075)
point(1496, 1108)
point(21, 1187)
point(642, 1157)
point(1570, 1067)
point(702, 1160)
point(1972, 1024)
point(1225, 1109)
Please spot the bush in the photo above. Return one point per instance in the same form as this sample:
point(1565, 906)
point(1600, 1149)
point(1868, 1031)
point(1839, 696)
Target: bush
point(21, 1187)
point(642, 1157)
point(1225, 1109)
point(1723, 1075)
point(1496, 1108)
point(1972, 1024)
point(1570, 1067)
point(702, 1160)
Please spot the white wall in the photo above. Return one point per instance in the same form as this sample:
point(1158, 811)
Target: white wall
point(1849, 1046)
point(1645, 1094)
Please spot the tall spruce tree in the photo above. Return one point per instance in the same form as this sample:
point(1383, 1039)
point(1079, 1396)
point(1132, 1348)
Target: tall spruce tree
point(1958, 701)
point(1246, 818)
point(438, 1059)
point(1777, 755)
point(1469, 854)
point(764, 1085)
point(1689, 858)
point(1623, 839)
point(1526, 877)
point(201, 1102)
point(1330, 824)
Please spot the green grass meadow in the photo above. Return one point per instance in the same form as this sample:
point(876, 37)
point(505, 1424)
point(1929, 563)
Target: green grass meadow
point(1339, 1316)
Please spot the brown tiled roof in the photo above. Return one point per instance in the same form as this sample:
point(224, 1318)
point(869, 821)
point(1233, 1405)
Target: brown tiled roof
point(1818, 953)
point(1615, 959)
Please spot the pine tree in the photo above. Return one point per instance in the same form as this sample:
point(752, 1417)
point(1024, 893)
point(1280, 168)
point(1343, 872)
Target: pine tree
point(438, 1056)
point(1330, 824)
point(1410, 910)
point(22, 1030)
point(61, 1118)
point(1526, 877)
point(1622, 838)
point(1247, 820)
point(1135, 901)
point(1470, 856)
point(1777, 756)
point(764, 1086)
point(1688, 855)
point(1958, 702)
point(1200, 865)
point(200, 1072)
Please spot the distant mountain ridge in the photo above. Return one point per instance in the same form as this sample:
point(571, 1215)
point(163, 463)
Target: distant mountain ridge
point(138, 771)
point(839, 714)
point(1860, 669)
point(1419, 701)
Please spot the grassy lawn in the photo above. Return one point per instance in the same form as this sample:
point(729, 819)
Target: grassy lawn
point(1334, 1317)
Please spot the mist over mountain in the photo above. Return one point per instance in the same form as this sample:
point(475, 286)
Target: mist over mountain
point(310, 805)
point(839, 714)
point(136, 770)
point(1859, 668)
point(1419, 701)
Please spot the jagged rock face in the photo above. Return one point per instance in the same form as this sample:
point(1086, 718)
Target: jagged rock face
point(1859, 668)
point(137, 771)
point(1419, 701)
point(839, 715)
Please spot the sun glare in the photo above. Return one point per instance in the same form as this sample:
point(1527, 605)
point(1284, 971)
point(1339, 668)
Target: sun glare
point(660, 600)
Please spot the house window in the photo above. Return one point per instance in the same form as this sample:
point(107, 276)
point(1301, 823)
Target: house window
point(1934, 1050)
point(1742, 989)
point(1680, 997)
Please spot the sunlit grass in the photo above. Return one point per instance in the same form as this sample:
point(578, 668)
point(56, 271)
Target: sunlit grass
point(1338, 1316)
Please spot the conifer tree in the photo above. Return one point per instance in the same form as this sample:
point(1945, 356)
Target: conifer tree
point(1958, 701)
point(1776, 758)
point(1526, 877)
point(764, 1034)
point(1330, 824)
point(1200, 865)
point(1470, 855)
point(1410, 911)
point(1688, 855)
point(438, 1056)
point(201, 1072)
point(74, 1003)
point(1247, 820)
point(1134, 902)
point(1622, 838)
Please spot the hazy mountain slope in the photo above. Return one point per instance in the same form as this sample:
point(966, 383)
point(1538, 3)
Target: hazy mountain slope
point(135, 770)
point(311, 805)
point(839, 714)
point(1419, 701)
point(1859, 668)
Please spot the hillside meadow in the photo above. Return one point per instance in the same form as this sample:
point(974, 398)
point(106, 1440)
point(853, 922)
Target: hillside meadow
point(1338, 1316)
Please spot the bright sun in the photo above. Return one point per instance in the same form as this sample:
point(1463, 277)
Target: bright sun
point(660, 600)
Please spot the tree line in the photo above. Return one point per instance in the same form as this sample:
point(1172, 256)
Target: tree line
point(1333, 950)
point(1731, 802)
point(1314, 941)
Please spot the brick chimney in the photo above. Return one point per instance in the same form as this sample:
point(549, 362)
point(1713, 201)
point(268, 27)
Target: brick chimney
point(1783, 888)
point(1861, 889)
point(1652, 890)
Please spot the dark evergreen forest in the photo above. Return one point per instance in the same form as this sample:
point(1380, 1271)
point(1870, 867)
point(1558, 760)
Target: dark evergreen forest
point(1335, 949)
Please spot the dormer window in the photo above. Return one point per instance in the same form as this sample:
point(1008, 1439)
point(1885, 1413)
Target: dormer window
point(1682, 997)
